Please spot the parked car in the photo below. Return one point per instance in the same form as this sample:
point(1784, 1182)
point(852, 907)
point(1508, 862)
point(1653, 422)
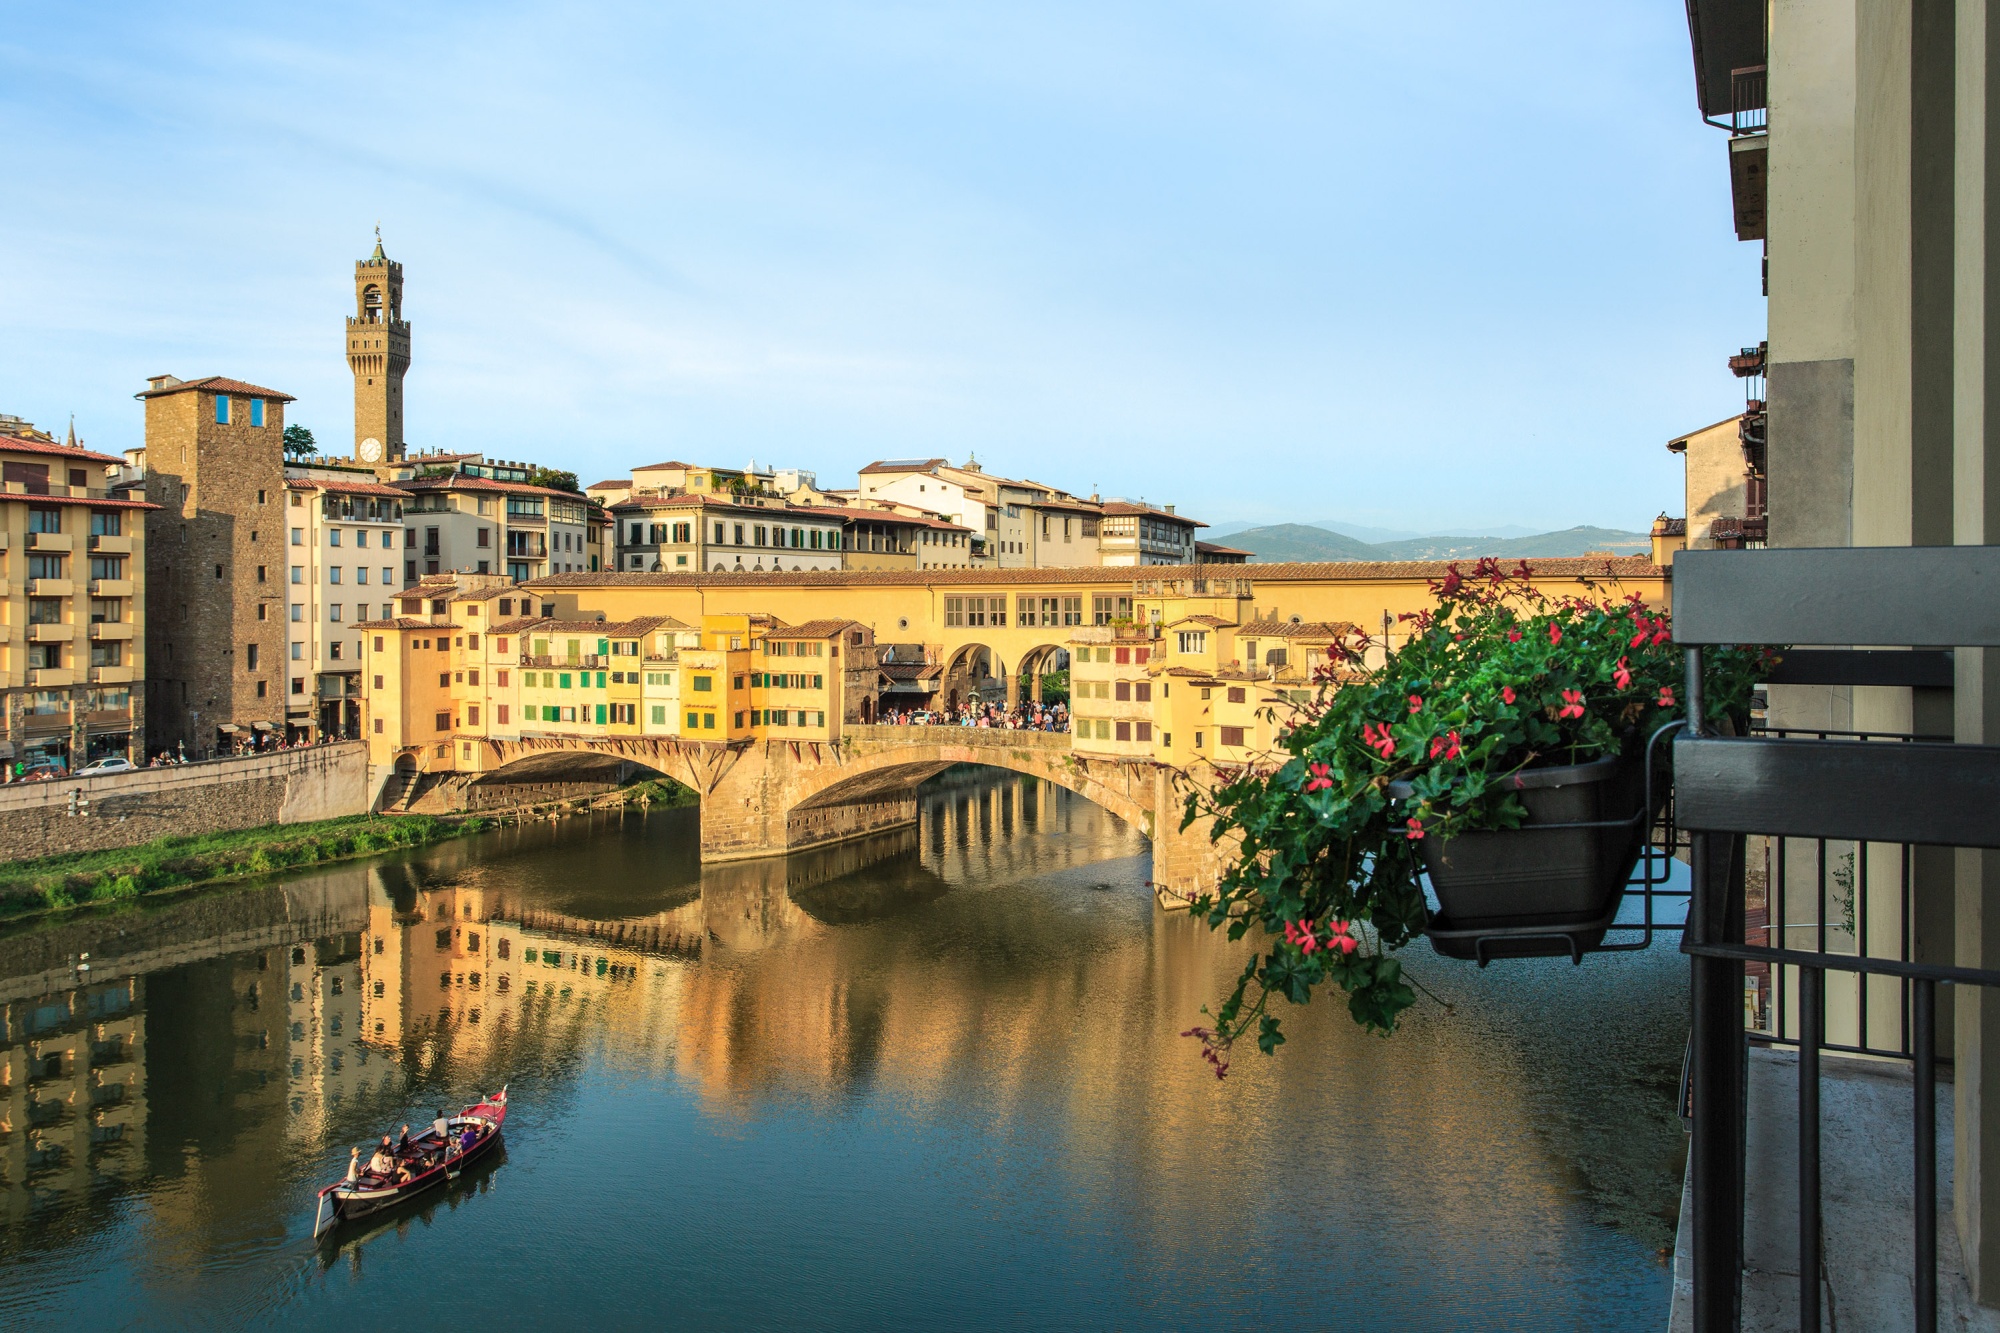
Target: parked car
point(45, 771)
point(111, 763)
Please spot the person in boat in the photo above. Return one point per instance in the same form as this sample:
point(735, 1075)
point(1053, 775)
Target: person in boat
point(467, 1137)
point(403, 1143)
point(353, 1165)
point(442, 1128)
point(384, 1161)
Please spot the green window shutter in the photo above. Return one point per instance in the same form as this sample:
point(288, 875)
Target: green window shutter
point(603, 647)
point(659, 715)
point(548, 713)
point(600, 680)
point(694, 721)
point(600, 715)
point(565, 679)
point(819, 682)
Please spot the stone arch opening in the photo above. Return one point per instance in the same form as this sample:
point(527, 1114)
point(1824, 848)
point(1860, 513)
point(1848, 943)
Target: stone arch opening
point(1037, 662)
point(972, 675)
point(880, 792)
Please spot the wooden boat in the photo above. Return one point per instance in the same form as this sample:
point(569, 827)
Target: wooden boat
point(424, 1162)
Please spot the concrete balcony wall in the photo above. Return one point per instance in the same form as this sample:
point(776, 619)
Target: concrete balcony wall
point(51, 588)
point(51, 633)
point(111, 587)
point(51, 542)
point(43, 678)
point(111, 545)
point(105, 631)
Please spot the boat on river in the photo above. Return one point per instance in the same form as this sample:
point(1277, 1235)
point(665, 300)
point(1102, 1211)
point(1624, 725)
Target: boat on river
point(423, 1162)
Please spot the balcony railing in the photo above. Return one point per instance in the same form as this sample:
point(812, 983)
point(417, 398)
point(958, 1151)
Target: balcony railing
point(590, 661)
point(1828, 793)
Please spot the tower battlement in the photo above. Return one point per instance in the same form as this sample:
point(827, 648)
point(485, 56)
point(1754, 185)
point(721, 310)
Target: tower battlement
point(378, 352)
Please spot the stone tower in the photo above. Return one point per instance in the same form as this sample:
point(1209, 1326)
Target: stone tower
point(378, 351)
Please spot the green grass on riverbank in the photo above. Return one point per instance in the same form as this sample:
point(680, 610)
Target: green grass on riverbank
point(56, 882)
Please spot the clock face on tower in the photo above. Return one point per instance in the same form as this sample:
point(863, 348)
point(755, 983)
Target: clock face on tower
point(371, 450)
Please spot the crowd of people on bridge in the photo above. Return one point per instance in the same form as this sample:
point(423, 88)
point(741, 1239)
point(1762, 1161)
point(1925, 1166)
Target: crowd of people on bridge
point(1025, 716)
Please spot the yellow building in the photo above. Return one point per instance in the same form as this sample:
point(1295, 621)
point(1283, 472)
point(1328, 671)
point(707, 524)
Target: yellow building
point(472, 666)
point(74, 595)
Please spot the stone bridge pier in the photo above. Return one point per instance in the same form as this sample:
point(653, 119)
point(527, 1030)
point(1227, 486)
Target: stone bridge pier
point(776, 797)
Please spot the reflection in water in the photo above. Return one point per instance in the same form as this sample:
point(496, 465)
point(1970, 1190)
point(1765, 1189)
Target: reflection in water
point(929, 1079)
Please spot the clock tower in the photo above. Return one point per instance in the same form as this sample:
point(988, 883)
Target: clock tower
point(378, 351)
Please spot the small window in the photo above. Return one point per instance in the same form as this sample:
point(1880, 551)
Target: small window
point(1230, 736)
point(1236, 696)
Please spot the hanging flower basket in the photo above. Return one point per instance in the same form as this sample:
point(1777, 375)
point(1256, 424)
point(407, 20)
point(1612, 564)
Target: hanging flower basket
point(1499, 752)
point(1553, 885)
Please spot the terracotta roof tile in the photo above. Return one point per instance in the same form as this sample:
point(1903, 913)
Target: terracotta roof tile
point(1125, 508)
point(15, 444)
point(217, 384)
point(1359, 571)
point(1321, 631)
point(812, 629)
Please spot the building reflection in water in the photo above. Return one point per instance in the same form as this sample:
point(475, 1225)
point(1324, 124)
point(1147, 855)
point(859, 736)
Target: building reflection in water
point(1004, 960)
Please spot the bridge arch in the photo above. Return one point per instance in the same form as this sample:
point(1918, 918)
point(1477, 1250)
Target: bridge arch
point(893, 772)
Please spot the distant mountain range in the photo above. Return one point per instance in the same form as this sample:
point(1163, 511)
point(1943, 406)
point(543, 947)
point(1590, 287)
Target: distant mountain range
point(1362, 532)
point(1302, 542)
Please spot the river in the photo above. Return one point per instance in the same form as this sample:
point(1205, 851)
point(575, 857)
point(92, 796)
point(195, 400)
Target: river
point(932, 1081)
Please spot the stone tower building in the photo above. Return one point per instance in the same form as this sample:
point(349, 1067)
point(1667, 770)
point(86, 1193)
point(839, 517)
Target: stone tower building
point(378, 351)
point(215, 561)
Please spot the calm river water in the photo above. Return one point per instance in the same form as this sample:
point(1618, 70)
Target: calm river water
point(929, 1083)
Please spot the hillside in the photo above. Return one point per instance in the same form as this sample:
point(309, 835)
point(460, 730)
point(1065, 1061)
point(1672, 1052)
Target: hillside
point(1297, 541)
point(1570, 541)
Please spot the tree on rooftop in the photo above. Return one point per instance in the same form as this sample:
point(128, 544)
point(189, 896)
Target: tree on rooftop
point(299, 442)
point(555, 480)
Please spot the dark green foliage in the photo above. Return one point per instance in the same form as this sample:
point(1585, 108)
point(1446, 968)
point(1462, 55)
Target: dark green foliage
point(172, 863)
point(1499, 679)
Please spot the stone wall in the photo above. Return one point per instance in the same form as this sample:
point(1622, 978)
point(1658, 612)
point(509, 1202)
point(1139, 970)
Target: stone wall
point(125, 809)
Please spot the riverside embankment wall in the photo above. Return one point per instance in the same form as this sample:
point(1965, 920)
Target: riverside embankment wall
point(125, 809)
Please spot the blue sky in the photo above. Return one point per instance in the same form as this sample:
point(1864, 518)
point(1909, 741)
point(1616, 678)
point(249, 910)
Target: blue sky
point(1417, 265)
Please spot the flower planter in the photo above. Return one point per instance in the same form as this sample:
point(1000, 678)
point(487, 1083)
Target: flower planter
point(1553, 885)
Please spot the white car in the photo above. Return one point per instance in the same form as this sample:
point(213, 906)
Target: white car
point(116, 763)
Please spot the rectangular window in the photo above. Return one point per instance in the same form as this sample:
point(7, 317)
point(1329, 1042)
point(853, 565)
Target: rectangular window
point(1100, 610)
point(256, 411)
point(45, 520)
point(1143, 692)
point(694, 722)
point(107, 566)
point(221, 410)
point(1232, 735)
point(1124, 731)
point(1072, 610)
point(107, 524)
point(1124, 688)
point(1193, 641)
point(1236, 696)
point(333, 612)
point(954, 611)
point(472, 715)
point(298, 651)
point(1145, 731)
point(501, 712)
point(704, 684)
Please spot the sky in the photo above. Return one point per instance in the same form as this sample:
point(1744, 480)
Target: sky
point(1419, 265)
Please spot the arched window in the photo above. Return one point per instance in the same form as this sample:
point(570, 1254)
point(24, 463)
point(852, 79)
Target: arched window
point(371, 303)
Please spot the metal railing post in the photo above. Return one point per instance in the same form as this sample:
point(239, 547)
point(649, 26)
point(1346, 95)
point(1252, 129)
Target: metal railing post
point(1924, 1150)
point(1812, 1031)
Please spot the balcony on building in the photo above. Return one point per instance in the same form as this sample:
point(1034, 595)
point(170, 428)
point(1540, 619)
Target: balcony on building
point(53, 542)
point(51, 588)
point(109, 545)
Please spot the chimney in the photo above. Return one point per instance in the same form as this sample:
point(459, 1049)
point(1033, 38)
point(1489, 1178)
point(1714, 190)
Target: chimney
point(155, 382)
point(1170, 509)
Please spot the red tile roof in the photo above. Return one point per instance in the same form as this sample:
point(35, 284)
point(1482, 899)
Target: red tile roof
point(345, 487)
point(1320, 631)
point(400, 622)
point(812, 629)
point(459, 482)
point(73, 500)
point(15, 444)
point(901, 465)
point(1124, 508)
point(1359, 571)
point(217, 384)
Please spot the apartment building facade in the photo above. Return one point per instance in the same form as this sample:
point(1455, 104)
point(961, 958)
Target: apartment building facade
point(471, 516)
point(213, 471)
point(74, 598)
point(1137, 534)
point(344, 548)
point(468, 661)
